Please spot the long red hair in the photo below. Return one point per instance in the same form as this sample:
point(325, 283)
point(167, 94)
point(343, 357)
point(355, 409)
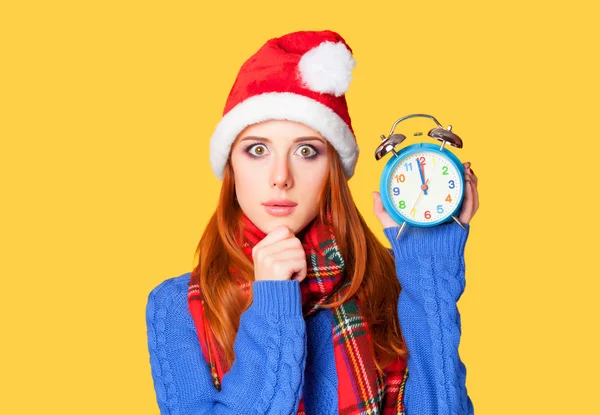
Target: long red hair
point(377, 286)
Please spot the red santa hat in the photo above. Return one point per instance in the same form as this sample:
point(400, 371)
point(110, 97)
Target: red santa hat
point(301, 76)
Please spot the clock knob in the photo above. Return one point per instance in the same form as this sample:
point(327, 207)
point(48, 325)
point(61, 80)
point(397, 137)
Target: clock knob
point(388, 144)
point(446, 135)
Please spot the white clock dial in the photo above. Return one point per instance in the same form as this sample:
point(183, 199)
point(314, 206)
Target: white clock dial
point(438, 200)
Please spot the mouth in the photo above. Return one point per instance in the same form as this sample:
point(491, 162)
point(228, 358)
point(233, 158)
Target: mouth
point(279, 207)
point(280, 203)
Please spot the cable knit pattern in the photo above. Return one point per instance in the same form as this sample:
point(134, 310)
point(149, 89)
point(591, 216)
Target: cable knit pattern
point(320, 366)
point(281, 357)
point(430, 267)
point(267, 375)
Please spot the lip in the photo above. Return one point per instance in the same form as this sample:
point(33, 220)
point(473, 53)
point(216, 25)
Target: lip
point(281, 207)
point(280, 202)
point(279, 210)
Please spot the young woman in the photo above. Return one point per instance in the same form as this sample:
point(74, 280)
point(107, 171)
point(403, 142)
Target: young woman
point(293, 305)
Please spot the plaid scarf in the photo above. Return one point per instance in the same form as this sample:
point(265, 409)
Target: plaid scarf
point(362, 389)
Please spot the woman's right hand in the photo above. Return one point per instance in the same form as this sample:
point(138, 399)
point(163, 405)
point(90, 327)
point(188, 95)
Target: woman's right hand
point(279, 256)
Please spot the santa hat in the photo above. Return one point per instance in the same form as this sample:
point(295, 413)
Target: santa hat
point(301, 76)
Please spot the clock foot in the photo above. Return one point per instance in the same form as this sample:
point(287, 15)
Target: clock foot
point(400, 230)
point(457, 221)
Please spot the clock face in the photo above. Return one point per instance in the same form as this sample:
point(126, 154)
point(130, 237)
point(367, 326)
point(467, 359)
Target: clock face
point(425, 187)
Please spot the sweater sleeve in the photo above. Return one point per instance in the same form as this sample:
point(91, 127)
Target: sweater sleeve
point(431, 269)
point(267, 374)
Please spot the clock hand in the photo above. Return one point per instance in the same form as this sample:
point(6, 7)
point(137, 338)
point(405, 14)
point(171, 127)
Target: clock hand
point(421, 173)
point(423, 187)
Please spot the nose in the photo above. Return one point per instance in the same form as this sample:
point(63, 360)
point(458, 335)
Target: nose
point(281, 176)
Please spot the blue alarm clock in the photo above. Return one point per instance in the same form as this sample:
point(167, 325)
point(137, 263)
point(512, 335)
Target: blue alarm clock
point(422, 184)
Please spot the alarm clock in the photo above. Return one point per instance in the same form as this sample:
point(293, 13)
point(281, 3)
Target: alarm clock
point(422, 184)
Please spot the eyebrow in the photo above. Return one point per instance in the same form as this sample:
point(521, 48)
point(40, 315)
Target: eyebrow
point(296, 140)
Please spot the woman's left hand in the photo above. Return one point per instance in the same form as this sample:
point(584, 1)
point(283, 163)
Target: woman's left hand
point(468, 209)
point(471, 199)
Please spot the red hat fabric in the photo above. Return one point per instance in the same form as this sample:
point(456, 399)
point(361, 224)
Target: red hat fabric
point(301, 76)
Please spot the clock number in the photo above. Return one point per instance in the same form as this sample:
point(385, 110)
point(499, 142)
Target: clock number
point(451, 184)
point(396, 191)
point(445, 170)
point(427, 215)
point(407, 165)
point(400, 178)
point(440, 209)
point(422, 160)
point(402, 204)
point(448, 198)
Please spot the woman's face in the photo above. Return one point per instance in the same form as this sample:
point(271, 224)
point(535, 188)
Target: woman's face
point(276, 162)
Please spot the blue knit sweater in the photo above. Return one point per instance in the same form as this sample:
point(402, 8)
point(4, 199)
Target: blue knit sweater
point(281, 356)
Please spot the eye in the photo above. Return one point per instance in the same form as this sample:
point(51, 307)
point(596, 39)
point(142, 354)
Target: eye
point(260, 149)
point(308, 151)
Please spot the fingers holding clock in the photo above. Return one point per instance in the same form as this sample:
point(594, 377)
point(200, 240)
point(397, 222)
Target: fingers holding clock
point(469, 175)
point(384, 217)
point(471, 199)
point(473, 181)
point(467, 210)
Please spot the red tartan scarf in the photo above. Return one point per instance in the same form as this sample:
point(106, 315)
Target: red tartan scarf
point(362, 389)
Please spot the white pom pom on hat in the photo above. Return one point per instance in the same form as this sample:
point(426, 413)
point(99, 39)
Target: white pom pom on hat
point(327, 68)
point(301, 76)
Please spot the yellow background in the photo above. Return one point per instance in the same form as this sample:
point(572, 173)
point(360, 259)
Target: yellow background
point(106, 111)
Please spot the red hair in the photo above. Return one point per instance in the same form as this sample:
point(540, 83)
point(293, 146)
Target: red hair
point(377, 286)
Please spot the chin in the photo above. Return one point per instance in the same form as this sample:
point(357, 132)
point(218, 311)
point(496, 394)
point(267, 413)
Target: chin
point(268, 223)
point(272, 222)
